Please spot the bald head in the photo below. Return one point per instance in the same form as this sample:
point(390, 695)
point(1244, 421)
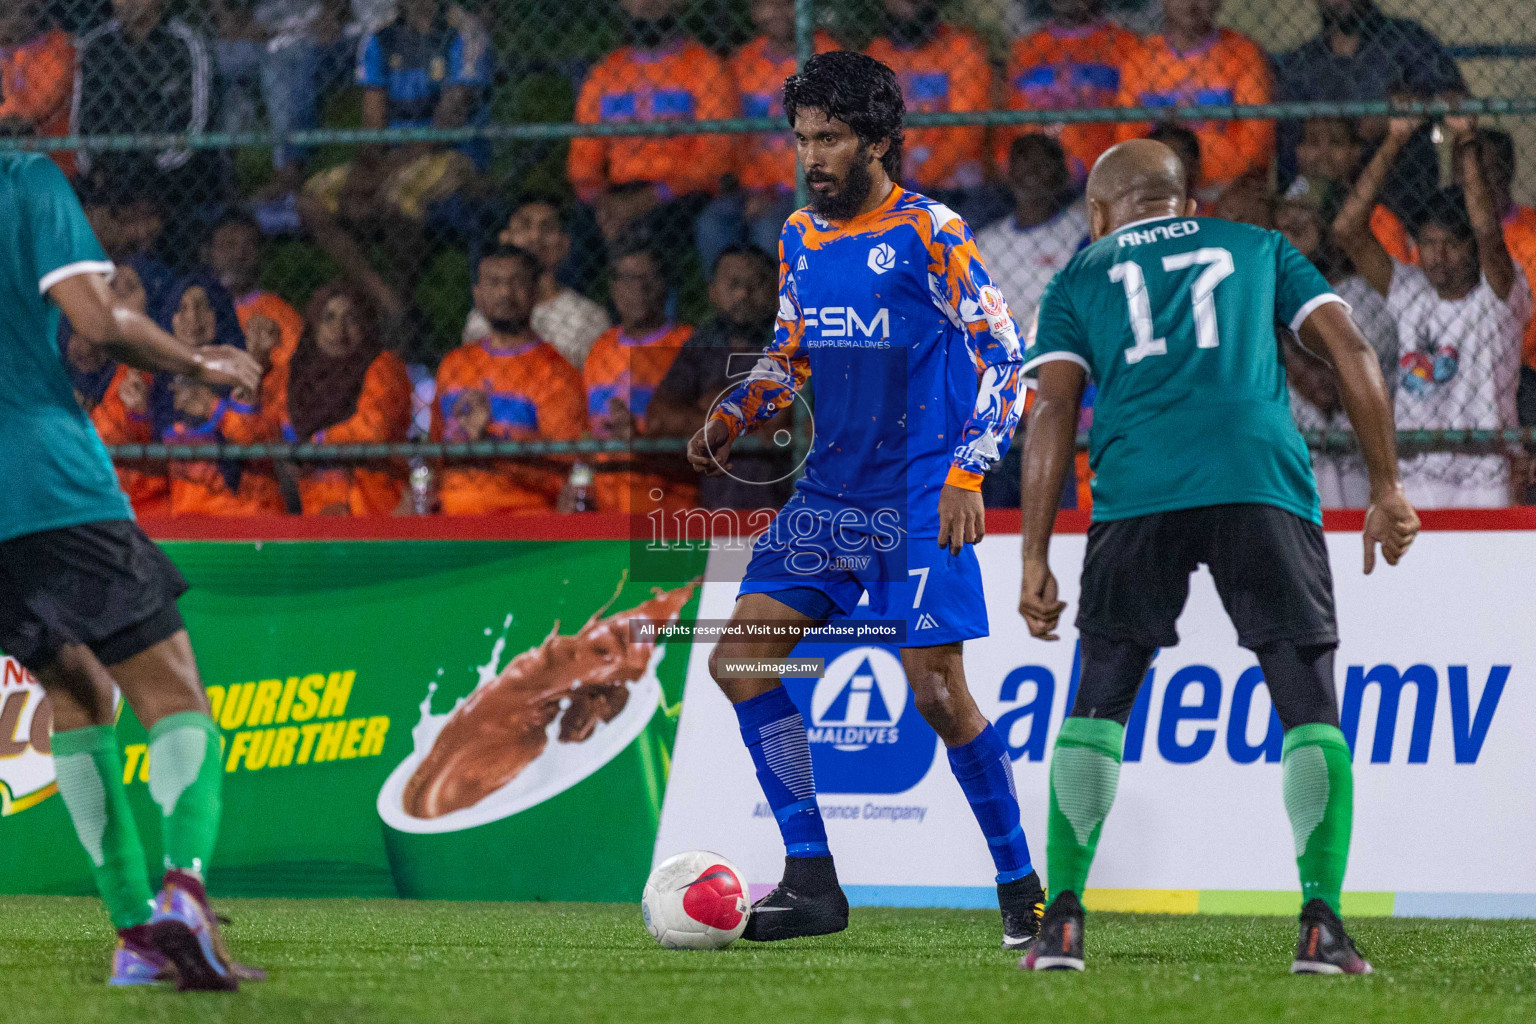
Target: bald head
point(1132, 181)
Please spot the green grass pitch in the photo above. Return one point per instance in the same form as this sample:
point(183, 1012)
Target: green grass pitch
point(383, 961)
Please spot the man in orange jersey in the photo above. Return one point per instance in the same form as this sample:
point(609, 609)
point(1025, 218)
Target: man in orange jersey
point(942, 69)
point(1073, 62)
point(508, 386)
point(658, 75)
point(765, 163)
point(1331, 151)
point(1496, 156)
point(1195, 63)
point(37, 77)
point(622, 371)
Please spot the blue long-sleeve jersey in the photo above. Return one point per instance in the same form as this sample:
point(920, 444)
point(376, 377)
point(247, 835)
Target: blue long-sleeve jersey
point(914, 354)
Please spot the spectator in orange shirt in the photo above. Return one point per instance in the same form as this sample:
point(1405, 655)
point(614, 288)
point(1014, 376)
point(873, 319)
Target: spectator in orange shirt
point(344, 388)
point(562, 316)
point(942, 69)
point(235, 251)
point(1496, 156)
point(122, 417)
point(264, 341)
point(508, 386)
point(659, 75)
point(622, 372)
point(1195, 63)
point(756, 211)
point(191, 306)
point(230, 487)
point(1332, 151)
point(1073, 62)
point(203, 416)
point(37, 77)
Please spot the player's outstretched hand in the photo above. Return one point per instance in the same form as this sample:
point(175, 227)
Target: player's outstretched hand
point(709, 451)
point(1392, 523)
point(225, 366)
point(1037, 600)
point(962, 518)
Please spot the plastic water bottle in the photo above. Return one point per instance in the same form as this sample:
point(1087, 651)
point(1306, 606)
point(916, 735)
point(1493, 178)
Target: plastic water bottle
point(581, 488)
point(421, 487)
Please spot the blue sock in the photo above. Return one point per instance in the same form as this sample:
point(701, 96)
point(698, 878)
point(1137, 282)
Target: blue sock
point(986, 775)
point(774, 733)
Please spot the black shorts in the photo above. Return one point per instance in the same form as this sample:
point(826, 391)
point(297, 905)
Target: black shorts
point(1270, 567)
point(105, 585)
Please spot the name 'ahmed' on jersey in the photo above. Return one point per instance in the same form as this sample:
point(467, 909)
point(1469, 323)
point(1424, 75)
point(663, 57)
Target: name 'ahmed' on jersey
point(1157, 233)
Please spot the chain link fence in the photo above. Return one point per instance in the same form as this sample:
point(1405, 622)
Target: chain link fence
point(318, 180)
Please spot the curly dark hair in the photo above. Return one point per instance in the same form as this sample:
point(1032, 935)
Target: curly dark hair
point(857, 90)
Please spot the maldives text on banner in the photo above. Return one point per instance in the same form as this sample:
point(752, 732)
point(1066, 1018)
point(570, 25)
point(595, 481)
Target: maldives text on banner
point(1435, 676)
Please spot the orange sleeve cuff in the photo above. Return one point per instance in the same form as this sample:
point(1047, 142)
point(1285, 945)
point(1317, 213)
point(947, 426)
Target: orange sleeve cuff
point(735, 426)
point(963, 479)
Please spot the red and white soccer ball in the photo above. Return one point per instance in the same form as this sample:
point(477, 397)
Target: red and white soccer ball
point(696, 900)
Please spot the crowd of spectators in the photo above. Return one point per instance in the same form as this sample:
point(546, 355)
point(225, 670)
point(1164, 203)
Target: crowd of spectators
point(575, 326)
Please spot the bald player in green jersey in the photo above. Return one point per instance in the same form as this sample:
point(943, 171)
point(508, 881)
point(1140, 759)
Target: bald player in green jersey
point(1196, 460)
point(87, 602)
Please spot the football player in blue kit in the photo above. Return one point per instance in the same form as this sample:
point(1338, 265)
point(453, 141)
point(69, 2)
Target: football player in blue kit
point(885, 302)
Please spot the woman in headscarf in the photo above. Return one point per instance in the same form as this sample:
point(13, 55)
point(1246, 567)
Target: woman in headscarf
point(344, 388)
point(117, 396)
point(201, 313)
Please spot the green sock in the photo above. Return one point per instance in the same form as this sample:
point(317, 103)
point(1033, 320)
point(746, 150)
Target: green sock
point(89, 769)
point(1085, 771)
point(186, 776)
point(1319, 798)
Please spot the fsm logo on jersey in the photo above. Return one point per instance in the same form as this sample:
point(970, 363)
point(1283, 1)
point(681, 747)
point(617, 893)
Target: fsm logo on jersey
point(865, 732)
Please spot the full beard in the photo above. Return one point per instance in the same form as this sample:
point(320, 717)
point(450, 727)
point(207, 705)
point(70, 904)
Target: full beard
point(506, 326)
point(848, 200)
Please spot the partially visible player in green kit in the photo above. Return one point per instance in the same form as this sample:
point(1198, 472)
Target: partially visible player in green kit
point(87, 601)
point(1196, 460)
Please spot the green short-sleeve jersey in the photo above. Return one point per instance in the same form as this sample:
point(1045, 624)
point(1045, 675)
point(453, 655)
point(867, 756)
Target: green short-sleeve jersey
point(55, 470)
point(1174, 319)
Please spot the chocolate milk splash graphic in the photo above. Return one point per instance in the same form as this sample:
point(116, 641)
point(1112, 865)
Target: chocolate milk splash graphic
point(503, 726)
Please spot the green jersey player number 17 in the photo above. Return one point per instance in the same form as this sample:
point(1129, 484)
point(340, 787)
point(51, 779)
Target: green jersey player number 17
point(1197, 461)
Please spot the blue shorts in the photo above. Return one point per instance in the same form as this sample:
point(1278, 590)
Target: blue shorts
point(821, 571)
